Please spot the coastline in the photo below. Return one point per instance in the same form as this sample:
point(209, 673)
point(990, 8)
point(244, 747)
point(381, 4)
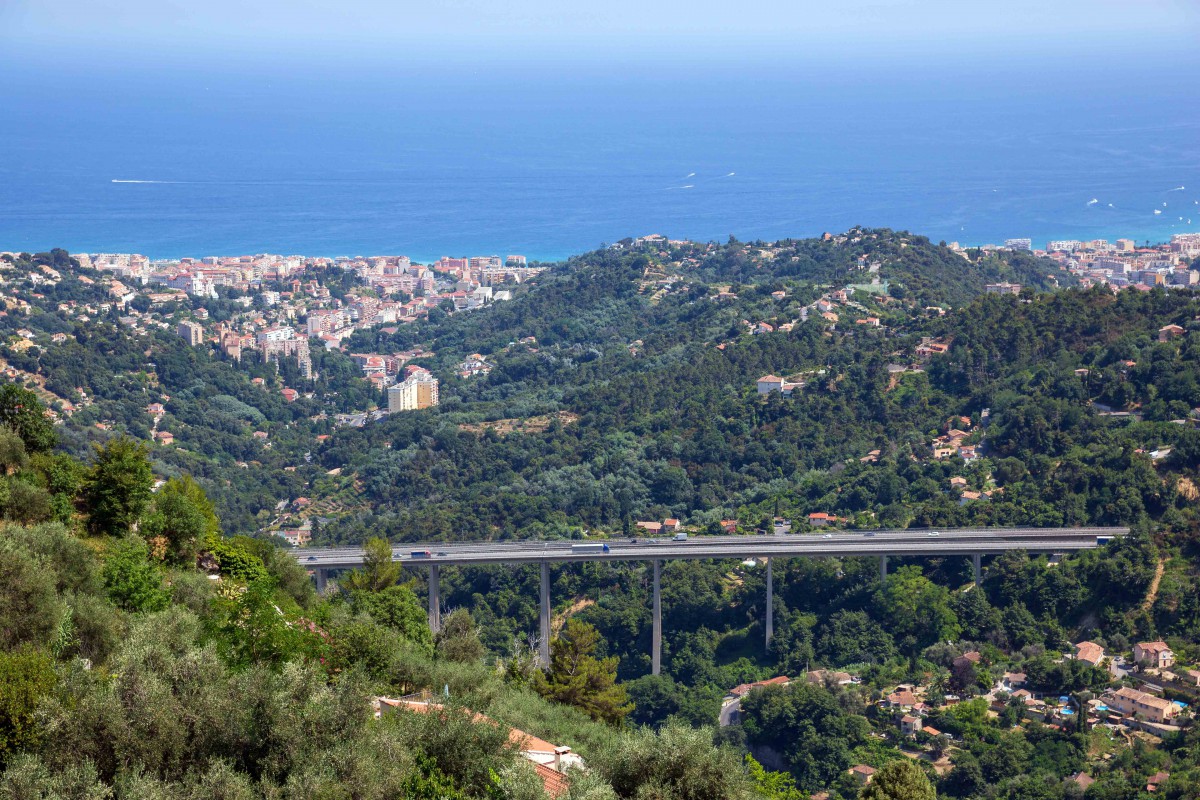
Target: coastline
point(544, 257)
point(550, 257)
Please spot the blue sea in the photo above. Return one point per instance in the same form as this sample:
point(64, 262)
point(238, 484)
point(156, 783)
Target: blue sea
point(549, 160)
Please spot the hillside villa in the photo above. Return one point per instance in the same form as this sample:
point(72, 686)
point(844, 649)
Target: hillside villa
point(1153, 654)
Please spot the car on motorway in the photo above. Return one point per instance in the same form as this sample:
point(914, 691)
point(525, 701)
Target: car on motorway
point(869, 533)
point(933, 533)
point(312, 558)
point(443, 553)
point(827, 536)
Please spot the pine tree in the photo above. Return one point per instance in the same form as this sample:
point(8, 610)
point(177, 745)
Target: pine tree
point(378, 571)
point(577, 678)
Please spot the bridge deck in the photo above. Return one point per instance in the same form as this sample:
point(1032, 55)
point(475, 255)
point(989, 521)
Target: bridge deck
point(947, 541)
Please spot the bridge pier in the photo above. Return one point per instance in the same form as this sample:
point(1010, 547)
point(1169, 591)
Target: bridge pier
point(322, 578)
point(544, 617)
point(435, 601)
point(977, 564)
point(770, 603)
point(882, 569)
point(656, 633)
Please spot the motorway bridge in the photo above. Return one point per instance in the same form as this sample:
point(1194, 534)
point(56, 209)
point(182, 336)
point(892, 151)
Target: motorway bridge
point(966, 542)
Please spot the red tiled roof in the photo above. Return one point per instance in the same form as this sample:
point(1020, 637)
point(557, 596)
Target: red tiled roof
point(1083, 779)
point(745, 688)
point(554, 782)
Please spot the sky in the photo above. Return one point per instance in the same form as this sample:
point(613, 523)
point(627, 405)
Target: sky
point(459, 29)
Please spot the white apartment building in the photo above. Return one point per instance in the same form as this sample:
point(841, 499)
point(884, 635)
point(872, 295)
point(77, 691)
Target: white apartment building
point(418, 390)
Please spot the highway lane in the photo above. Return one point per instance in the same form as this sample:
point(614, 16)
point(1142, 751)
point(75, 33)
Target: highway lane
point(968, 541)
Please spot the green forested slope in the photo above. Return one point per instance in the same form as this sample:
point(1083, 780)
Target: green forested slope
point(646, 359)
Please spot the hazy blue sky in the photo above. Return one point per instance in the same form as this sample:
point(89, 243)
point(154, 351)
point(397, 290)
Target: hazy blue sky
point(458, 28)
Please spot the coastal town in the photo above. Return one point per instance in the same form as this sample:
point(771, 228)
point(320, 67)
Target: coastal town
point(1121, 264)
point(286, 307)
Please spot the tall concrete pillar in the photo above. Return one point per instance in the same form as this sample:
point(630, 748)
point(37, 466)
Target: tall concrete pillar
point(977, 563)
point(882, 569)
point(770, 602)
point(322, 578)
point(435, 600)
point(656, 634)
point(544, 617)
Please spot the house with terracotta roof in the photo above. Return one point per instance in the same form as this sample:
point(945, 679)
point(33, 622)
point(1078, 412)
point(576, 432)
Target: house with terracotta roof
point(769, 383)
point(902, 699)
point(910, 725)
point(1168, 332)
point(930, 347)
point(1153, 654)
point(820, 519)
point(1142, 705)
point(1013, 680)
point(862, 773)
point(773, 383)
point(1082, 780)
point(1089, 653)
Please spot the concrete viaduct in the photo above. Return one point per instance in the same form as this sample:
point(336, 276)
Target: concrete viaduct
point(966, 542)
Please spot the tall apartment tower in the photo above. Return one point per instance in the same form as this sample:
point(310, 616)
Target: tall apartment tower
point(191, 332)
point(418, 390)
